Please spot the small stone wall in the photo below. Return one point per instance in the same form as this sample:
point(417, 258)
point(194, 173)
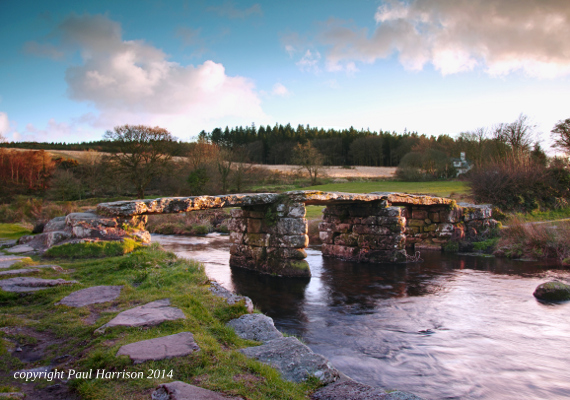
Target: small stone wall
point(270, 239)
point(369, 232)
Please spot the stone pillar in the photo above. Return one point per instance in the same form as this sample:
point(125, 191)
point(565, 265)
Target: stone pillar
point(370, 232)
point(270, 239)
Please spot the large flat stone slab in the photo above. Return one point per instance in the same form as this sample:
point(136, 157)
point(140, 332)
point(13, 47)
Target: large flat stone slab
point(150, 314)
point(20, 249)
point(295, 361)
point(256, 327)
point(170, 205)
point(178, 345)
point(18, 271)
point(8, 261)
point(27, 284)
point(405, 199)
point(183, 391)
point(92, 295)
point(231, 298)
point(316, 197)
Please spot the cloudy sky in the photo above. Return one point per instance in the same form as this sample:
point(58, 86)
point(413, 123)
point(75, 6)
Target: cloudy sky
point(70, 70)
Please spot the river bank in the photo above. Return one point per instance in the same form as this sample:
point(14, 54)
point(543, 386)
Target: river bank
point(35, 332)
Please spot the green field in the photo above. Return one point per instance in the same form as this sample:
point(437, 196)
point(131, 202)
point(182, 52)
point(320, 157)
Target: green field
point(438, 188)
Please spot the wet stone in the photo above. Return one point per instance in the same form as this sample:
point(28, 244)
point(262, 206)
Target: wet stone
point(348, 390)
point(295, 361)
point(27, 284)
point(231, 298)
point(92, 295)
point(178, 345)
point(183, 391)
point(256, 327)
point(150, 314)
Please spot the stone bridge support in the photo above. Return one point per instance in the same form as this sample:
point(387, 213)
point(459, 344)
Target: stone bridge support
point(369, 232)
point(270, 238)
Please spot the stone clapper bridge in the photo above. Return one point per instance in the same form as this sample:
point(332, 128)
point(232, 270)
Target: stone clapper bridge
point(268, 231)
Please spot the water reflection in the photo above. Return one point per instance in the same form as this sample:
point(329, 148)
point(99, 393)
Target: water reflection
point(453, 327)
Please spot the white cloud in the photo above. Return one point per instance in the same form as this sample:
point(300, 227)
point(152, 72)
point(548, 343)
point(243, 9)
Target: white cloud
point(4, 124)
point(132, 81)
point(280, 90)
point(310, 62)
point(500, 36)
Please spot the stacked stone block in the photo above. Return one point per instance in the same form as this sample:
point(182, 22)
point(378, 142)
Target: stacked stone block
point(270, 239)
point(369, 232)
point(431, 227)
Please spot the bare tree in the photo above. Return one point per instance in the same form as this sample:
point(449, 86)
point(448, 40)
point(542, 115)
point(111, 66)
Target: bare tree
point(308, 158)
point(224, 162)
point(561, 135)
point(519, 135)
point(144, 153)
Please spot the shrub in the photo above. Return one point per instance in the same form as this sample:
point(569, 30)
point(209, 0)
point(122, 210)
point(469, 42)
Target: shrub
point(518, 185)
point(534, 240)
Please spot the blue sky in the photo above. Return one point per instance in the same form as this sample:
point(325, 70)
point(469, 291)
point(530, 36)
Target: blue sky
point(70, 70)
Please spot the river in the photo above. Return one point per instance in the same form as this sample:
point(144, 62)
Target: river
point(450, 327)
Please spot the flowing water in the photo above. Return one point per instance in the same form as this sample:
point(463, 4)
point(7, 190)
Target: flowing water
point(450, 327)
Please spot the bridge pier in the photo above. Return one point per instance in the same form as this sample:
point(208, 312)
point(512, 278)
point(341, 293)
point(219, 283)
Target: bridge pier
point(369, 232)
point(270, 238)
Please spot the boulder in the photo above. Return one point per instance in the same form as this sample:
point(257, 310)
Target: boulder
point(92, 295)
point(55, 224)
point(295, 361)
point(178, 345)
point(256, 327)
point(552, 291)
point(231, 298)
point(183, 391)
point(348, 390)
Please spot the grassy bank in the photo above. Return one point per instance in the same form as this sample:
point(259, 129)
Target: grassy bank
point(146, 274)
point(13, 231)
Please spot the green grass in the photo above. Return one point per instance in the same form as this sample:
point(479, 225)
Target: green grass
point(544, 215)
point(438, 188)
point(13, 231)
point(92, 250)
point(147, 274)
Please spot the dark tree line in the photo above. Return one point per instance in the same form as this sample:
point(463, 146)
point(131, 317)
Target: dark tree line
point(276, 144)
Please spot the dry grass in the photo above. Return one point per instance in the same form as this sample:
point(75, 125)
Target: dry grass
point(523, 239)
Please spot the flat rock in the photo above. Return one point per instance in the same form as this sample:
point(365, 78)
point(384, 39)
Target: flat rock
point(18, 271)
point(231, 298)
point(8, 242)
point(27, 284)
point(149, 314)
point(92, 295)
point(8, 261)
point(22, 248)
point(295, 361)
point(170, 205)
point(183, 391)
point(178, 345)
point(257, 327)
point(55, 224)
